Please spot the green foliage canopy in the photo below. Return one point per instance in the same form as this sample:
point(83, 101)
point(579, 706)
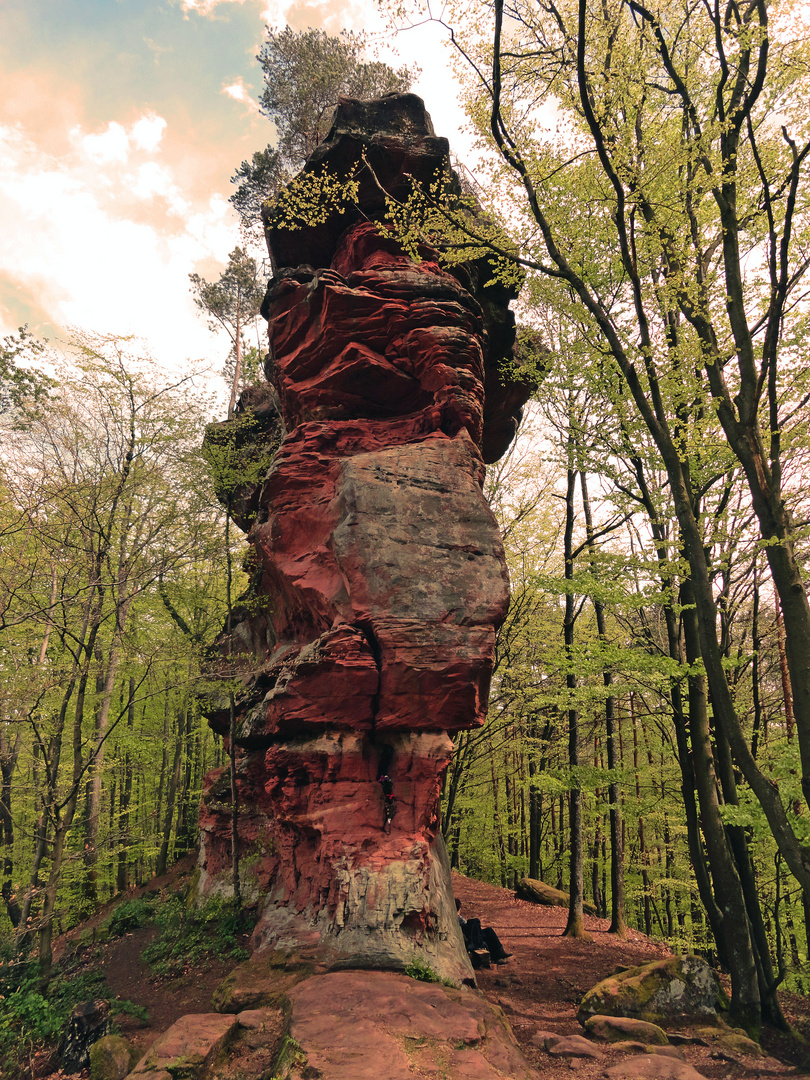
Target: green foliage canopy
point(305, 72)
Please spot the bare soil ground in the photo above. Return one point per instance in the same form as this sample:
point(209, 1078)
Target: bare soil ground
point(539, 988)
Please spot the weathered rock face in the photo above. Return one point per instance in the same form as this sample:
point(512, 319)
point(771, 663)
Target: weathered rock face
point(350, 1024)
point(379, 576)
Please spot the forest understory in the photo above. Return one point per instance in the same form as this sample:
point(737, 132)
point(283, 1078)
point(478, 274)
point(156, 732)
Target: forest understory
point(539, 989)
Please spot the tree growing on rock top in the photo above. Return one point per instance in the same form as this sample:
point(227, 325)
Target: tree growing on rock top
point(305, 72)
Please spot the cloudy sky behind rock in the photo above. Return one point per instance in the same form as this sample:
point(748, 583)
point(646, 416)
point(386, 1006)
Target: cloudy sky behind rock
point(121, 123)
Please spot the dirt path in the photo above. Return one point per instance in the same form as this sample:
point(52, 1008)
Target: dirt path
point(540, 988)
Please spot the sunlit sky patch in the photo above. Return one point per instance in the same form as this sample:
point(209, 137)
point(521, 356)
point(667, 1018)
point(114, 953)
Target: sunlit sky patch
point(121, 123)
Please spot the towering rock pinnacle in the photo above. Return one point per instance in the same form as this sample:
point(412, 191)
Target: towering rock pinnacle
point(379, 577)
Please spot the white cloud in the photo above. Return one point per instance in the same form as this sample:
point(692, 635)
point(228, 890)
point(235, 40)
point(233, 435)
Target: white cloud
point(152, 180)
point(116, 143)
point(239, 92)
point(109, 145)
point(205, 7)
point(105, 241)
point(148, 132)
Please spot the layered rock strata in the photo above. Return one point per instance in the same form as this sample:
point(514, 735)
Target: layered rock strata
point(379, 577)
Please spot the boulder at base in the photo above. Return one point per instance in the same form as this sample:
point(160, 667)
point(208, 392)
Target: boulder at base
point(537, 892)
point(205, 1045)
point(346, 1025)
point(188, 1047)
point(680, 988)
point(368, 1025)
point(614, 1029)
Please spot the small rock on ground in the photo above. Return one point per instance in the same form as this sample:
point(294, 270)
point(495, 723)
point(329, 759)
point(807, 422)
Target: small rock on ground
point(620, 1028)
point(573, 1046)
point(652, 1067)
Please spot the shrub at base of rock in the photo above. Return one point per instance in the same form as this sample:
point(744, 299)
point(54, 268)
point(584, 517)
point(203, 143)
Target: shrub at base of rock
point(537, 892)
point(677, 989)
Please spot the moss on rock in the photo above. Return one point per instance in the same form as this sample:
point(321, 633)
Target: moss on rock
point(681, 987)
point(112, 1058)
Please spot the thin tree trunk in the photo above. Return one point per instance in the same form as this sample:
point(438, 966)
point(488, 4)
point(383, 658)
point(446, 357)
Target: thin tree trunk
point(756, 641)
point(787, 693)
point(642, 841)
point(163, 779)
point(62, 814)
point(496, 817)
point(738, 843)
point(9, 755)
point(575, 927)
point(618, 925)
point(125, 797)
point(237, 372)
point(171, 800)
point(535, 811)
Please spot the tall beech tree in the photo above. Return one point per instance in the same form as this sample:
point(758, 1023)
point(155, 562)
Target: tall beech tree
point(664, 207)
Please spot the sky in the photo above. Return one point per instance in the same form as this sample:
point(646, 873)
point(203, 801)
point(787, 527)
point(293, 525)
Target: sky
point(121, 124)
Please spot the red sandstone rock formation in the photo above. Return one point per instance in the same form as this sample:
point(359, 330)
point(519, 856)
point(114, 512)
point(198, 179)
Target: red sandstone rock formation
point(379, 578)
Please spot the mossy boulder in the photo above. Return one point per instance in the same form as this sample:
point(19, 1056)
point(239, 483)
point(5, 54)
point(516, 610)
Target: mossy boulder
point(730, 1040)
point(615, 1029)
point(537, 892)
point(679, 988)
point(112, 1058)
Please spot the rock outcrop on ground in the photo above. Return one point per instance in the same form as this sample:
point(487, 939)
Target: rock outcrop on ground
point(400, 1029)
point(537, 993)
point(379, 577)
point(661, 992)
point(345, 1026)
